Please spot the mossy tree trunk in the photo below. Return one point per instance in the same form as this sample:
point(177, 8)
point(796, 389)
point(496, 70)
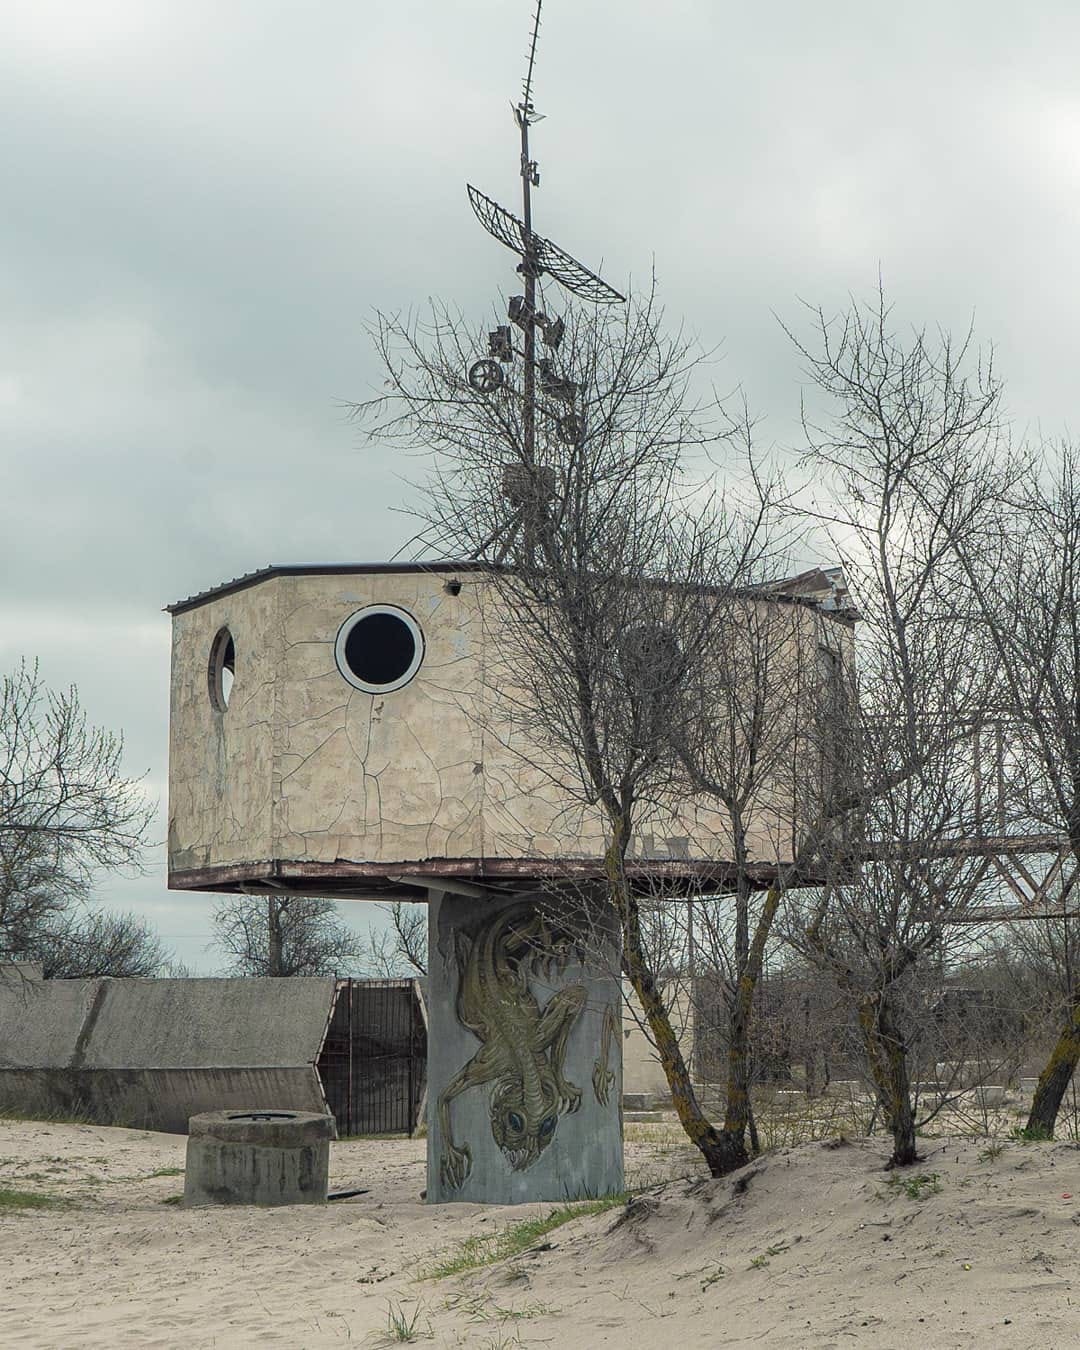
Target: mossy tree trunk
point(1057, 1075)
point(737, 1115)
point(887, 1054)
point(1055, 1078)
point(722, 1150)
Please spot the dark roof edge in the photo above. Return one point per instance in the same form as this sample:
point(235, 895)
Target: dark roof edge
point(785, 591)
point(321, 570)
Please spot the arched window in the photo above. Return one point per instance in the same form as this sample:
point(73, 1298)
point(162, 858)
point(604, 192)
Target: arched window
point(222, 669)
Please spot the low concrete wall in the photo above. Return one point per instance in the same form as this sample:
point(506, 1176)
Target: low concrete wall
point(152, 1053)
point(154, 1099)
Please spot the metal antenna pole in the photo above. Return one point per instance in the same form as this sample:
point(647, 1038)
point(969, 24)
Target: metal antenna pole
point(528, 267)
point(536, 255)
point(529, 263)
point(527, 85)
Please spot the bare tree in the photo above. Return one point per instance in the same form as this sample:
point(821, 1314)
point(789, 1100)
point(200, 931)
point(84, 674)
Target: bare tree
point(409, 938)
point(35, 892)
point(1023, 571)
point(1029, 967)
point(913, 460)
point(756, 730)
point(399, 951)
point(85, 946)
point(876, 936)
point(284, 936)
point(614, 573)
point(66, 809)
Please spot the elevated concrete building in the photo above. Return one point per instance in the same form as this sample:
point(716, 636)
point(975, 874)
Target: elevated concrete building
point(350, 731)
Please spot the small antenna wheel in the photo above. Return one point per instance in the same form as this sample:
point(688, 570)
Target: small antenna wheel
point(571, 428)
point(485, 376)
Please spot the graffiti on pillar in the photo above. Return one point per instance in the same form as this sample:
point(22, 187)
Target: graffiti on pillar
point(522, 1046)
point(603, 1078)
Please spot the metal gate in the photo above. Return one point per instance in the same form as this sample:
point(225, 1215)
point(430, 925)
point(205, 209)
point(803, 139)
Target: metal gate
point(373, 1063)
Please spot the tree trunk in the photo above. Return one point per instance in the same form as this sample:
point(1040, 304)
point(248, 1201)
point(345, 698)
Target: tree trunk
point(275, 961)
point(810, 1059)
point(1055, 1078)
point(755, 1142)
point(737, 1113)
point(887, 1054)
point(737, 1098)
point(722, 1152)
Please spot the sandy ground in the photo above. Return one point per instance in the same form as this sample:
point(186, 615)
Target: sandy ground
point(812, 1246)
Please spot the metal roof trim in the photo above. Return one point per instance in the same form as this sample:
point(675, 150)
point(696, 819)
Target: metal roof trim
point(272, 570)
point(830, 598)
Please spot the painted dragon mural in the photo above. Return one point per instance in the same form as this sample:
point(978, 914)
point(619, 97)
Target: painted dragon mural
point(522, 1046)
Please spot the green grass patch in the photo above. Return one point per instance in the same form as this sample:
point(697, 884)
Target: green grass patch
point(1031, 1134)
point(404, 1327)
point(762, 1260)
point(167, 1172)
point(74, 1117)
point(992, 1152)
point(486, 1250)
point(15, 1200)
point(480, 1307)
point(915, 1187)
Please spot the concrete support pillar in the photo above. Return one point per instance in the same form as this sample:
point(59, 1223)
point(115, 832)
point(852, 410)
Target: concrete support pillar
point(524, 1051)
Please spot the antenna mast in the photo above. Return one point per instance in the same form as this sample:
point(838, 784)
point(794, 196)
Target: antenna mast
point(530, 178)
point(544, 389)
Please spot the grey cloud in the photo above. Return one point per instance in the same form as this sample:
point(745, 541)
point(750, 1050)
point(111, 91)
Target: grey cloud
point(203, 203)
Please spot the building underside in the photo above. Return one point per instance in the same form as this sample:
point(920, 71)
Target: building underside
point(492, 877)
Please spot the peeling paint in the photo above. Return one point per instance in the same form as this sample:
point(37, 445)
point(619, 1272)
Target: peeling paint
point(302, 766)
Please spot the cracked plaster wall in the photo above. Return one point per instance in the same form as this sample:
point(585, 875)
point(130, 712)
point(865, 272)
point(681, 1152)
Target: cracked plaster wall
point(304, 767)
point(221, 764)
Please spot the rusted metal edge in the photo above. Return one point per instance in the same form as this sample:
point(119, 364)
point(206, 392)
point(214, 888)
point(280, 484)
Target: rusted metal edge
point(319, 570)
point(769, 591)
point(384, 879)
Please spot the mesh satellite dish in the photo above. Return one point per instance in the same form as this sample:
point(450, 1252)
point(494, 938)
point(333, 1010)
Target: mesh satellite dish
point(538, 254)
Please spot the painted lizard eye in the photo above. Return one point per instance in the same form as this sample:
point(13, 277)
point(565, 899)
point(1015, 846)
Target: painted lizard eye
point(547, 1126)
point(515, 1122)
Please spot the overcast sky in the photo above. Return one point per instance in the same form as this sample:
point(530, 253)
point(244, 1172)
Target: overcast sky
point(204, 201)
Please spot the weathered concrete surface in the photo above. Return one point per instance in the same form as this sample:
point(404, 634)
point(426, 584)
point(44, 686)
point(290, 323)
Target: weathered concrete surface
point(524, 1053)
point(210, 1022)
point(153, 1099)
point(303, 765)
point(643, 1074)
point(152, 1053)
point(264, 1157)
point(304, 768)
point(41, 1022)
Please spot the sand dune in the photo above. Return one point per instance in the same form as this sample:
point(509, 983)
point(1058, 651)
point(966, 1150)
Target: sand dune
point(809, 1247)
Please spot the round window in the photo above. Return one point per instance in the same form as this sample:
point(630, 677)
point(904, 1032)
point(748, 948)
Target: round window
point(222, 669)
point(379, 648)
